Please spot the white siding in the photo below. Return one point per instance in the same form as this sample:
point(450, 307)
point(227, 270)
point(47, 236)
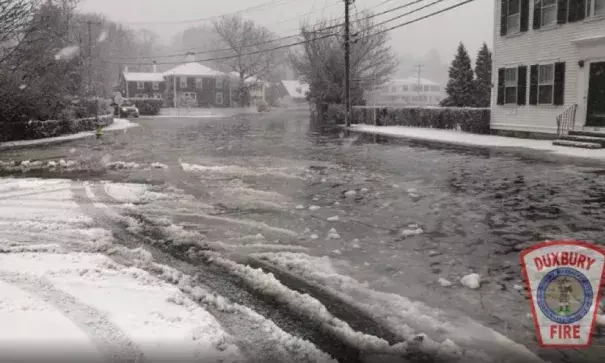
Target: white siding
point(553, 44)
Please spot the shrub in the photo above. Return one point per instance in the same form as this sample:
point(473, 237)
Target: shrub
point(262, 106)
point(31, 130)
point(148, 106)
point(475, 120)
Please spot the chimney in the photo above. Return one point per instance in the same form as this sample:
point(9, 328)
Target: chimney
point(190, 57)
point(125, 69)
point(155, 67)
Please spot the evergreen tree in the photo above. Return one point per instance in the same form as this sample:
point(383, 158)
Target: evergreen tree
point(483, 77)
point(461, 86)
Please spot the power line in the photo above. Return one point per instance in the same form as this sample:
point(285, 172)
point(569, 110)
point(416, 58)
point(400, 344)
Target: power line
point(404, 14)
point(292, 36)
point(317, 38)
point(421, 18)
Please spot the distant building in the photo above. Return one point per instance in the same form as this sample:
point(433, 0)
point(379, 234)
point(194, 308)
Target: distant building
point(549, 61)
point(198, 83)
point(292, 92)
point(256, 87)
point(142, 85)
point(411, 91)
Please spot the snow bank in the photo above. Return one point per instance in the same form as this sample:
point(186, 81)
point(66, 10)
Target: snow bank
point(118, 124)
point(403, 316)
point(123, 301)
point(468, 139)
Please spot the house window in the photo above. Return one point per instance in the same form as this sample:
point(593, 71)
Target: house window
point(427, 88)
point(404, 87)
point(198, 83)
point(219, 98)
point(140, 85)
point(510, 86)
point(155, 86)
point(183, 82)
point(513, 12)
point(219, 83)
point(549, 12)
point(546, 81)
point(595, 8)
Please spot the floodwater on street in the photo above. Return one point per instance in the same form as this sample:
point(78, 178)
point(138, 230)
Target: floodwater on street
point(394, 216)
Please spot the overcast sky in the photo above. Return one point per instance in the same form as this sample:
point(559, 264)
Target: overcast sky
point(471, 23)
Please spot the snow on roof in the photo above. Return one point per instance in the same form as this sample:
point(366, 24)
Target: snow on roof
point(296, 89)
point(193, 69)
point(143, 77)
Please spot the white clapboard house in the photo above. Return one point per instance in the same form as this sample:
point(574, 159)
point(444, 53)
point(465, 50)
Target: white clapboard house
point(549, 67)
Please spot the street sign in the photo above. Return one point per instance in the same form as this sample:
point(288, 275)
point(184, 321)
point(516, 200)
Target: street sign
point(118, 99)
point(564, 283)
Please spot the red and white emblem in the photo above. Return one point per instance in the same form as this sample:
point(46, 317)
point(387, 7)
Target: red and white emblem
point(564, 280)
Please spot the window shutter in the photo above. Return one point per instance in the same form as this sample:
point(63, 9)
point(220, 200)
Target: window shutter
point(524, 22)
point(503, 18)
point(533, 85)
point(562, 11)
point(500, 97)
point(559, 91)
point(521, 85)
point(537, 14)
point(577, 10)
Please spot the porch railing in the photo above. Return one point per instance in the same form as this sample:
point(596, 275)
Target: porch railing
point(566, 120)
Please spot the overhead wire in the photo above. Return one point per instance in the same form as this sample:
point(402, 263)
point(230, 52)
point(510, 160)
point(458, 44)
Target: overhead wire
point(322, 36)
point(281, 38)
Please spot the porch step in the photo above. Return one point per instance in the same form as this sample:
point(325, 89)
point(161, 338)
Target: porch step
point(587, 133)
point(589, 139)
point(583, 145)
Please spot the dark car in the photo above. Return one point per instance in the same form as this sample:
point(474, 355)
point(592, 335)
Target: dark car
point(128, 109)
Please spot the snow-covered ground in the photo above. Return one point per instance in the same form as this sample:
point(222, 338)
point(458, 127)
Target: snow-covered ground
point(203, 112)
point(118, 124)
point(64, 298)
point(469, 139)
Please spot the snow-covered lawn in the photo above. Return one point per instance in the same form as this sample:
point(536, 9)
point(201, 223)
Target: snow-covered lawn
point(118, 124)
point(468, 139)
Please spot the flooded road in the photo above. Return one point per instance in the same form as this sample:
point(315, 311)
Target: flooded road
point(357, 215)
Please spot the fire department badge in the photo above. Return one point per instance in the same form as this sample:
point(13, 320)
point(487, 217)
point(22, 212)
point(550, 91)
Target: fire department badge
point(564, 280)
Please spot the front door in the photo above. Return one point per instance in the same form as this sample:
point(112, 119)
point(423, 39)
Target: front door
point(595, 107)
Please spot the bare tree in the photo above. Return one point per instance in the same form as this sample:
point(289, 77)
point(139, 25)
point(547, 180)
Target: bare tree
point(320, 60)
point(242, 37)
point(15, 23)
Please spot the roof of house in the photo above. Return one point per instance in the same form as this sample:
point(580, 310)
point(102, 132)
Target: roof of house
point(296, 89)
point(413, 80)
point(193, 69)
point(143, 77)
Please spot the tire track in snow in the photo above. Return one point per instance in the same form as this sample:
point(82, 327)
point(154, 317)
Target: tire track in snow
point(109, 340)
point(233, 287)
point(259, 347)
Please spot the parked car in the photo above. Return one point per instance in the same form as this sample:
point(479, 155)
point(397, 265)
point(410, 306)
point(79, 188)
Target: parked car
point(127, 109)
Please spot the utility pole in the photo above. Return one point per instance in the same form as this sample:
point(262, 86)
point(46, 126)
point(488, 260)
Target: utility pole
point(347, 65)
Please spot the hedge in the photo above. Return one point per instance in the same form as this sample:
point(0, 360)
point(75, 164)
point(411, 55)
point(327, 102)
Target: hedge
point(475, 120)
point(31, 130)
point(148, 106)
